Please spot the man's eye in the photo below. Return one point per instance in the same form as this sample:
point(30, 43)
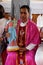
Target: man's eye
point(23, 12)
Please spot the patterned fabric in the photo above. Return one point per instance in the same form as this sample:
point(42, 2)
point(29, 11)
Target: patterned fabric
point(21, 36)
point(32, 36)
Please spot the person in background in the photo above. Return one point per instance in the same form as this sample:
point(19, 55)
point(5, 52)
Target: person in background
point(39, 53)
point(4, 42)
point(15, 11)
point(28, 39)
point(40, 21)
point(3, 23)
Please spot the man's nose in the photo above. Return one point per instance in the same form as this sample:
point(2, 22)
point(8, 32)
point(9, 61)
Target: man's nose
point(23, 14)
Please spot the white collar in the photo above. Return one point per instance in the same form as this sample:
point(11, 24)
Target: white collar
point(23, 24)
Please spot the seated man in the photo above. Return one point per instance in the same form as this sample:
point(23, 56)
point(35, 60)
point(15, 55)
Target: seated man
point(28, 39)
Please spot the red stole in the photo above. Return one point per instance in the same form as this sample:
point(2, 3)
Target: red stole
point(21, 36)
point(21, 43)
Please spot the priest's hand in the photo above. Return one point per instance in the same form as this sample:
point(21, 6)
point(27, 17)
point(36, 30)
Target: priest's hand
point(22, 49)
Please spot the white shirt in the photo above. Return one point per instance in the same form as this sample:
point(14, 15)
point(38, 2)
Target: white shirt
point(23, 24)
point(40, 21)
point(2, 25)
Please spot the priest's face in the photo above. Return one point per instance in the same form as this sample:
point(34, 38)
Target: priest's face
point(24, 14)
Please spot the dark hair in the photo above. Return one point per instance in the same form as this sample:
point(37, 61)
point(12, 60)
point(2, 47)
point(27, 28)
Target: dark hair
point(1, 11)
point(25, 6)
